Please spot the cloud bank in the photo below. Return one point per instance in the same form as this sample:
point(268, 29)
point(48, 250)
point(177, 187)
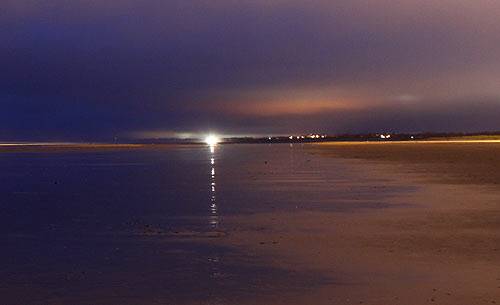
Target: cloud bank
point(84, 70)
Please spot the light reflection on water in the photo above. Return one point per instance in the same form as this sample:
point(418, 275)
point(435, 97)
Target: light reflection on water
point(77, 230)
point(213, 222)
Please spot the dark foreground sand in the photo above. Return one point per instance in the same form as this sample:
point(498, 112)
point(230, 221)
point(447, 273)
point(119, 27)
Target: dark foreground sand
point(443, 247)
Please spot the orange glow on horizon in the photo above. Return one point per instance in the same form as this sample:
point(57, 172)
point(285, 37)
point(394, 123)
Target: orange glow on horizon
point(288, 107)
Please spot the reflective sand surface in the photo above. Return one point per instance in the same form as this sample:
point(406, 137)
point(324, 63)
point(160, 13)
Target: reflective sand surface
point(176, 225)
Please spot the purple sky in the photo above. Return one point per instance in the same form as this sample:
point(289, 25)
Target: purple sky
point(91, 70)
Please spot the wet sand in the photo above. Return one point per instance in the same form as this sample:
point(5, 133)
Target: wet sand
point(470, 162)
point(440, 244)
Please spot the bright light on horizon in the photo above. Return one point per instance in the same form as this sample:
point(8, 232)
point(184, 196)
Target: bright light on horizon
point(211, 140)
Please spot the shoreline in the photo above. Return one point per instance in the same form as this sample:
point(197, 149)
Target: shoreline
point(65, 147)
point(89, 147)
point(443, 247)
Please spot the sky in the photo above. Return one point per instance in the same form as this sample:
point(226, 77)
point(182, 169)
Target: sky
point(98, 69)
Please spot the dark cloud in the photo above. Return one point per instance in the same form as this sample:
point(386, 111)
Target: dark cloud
point(95, 69)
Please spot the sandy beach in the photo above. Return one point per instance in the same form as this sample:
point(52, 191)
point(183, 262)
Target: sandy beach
point(439, 161)
point(249, 152)
point(440, 244)
point(407, 223)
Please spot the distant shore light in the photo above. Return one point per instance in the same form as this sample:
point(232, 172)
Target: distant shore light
point(211, 140)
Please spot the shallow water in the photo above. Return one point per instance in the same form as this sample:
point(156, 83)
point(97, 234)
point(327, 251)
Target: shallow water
point(124, 227)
